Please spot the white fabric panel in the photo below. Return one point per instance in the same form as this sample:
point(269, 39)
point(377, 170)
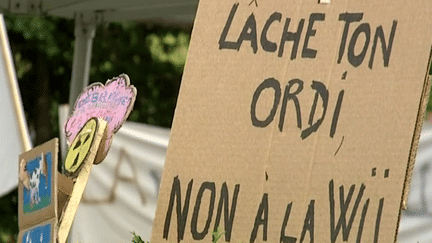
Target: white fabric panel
point(10, 147)
point(136, 148)
point(416, 221)
point(11, 142)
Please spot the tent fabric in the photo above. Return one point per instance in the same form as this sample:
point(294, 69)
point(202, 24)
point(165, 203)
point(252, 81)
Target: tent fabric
point(121, 194)
point(416, 221)
point(160, 11)
point(13, 140)
point(10, 146)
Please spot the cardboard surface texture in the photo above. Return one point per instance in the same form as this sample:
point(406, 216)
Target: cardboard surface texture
point(295, 121)
point(37, 190)
point(42, 193)
point(44, 232)
point(65, 186)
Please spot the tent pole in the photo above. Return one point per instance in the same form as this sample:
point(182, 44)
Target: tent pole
point(85, 27)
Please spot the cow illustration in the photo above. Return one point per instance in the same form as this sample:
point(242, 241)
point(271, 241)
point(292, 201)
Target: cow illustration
point(31, 180)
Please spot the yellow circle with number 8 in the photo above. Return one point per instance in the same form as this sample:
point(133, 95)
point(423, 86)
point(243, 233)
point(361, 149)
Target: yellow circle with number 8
point(80, 147)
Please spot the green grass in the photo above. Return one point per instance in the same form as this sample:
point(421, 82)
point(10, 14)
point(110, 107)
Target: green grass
point(45, 201)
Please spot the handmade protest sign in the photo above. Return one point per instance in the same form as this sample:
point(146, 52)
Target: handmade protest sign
point(112, 102)
point(80, 147)
point(42, 193)
point(85, 155)
point(99, 112)
point(295, 121)
point(37, 187)
point(44, 232)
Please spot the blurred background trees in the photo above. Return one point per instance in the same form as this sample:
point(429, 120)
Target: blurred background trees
point(42, 47)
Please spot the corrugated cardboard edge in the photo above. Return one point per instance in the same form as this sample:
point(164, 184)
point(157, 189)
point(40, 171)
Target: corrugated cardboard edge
point(65, 187)
point(415, 142)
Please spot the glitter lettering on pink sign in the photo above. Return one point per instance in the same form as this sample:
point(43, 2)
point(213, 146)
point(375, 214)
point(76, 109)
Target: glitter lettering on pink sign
point(112, 102)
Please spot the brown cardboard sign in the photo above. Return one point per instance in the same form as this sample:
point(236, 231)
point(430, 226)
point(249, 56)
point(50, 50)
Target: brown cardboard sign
point(37, 187)
point(295, 121)
point(42, 190)
point(44, 232)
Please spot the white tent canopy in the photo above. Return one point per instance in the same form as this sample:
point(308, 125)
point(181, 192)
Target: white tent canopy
point(157, 10)
point(110, 10)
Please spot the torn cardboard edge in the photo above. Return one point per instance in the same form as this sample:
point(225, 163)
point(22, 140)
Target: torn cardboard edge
point(416, 136)
point(416, 140)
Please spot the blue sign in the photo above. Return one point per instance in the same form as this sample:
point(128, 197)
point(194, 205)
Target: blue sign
point(40, 234)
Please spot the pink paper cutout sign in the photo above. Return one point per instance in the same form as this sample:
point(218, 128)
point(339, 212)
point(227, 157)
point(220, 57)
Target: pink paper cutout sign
point(112, 102)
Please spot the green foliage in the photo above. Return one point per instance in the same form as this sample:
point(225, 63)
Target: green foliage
point(429, 105)
point(9, 217)
point(42, 47)
point(152, 56)
point(216, 235)
point(137, 239)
